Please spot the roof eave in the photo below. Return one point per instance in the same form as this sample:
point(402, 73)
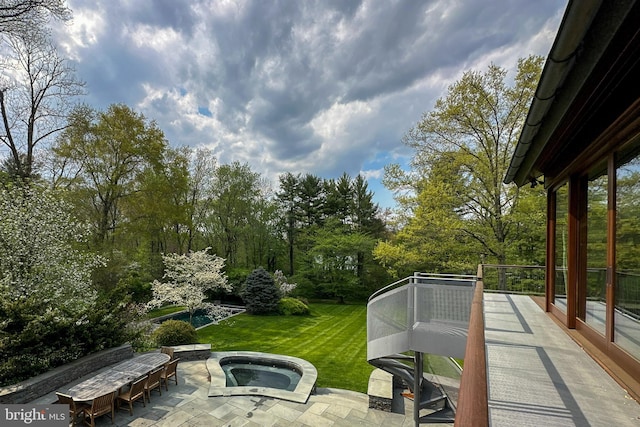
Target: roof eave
point(575, 24)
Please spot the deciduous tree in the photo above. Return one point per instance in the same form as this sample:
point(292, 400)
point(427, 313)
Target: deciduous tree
point(39, 260)
point(108, 151)
point(37, 89)
point(18, 16)
point(50, 313)
point(187, 280)
point(478, 121)
point(234, 195)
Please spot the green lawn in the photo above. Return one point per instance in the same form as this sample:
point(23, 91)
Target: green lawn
point(333, 338)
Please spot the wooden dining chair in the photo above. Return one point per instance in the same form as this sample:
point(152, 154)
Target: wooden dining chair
point(100, 406)
point(170, 371)
point(167, 350)
point(134, 393)
point(153, 382)
point(75, 408)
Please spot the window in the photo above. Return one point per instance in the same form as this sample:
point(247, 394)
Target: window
point(627, 286)
point(596, 253)
point(562, 242)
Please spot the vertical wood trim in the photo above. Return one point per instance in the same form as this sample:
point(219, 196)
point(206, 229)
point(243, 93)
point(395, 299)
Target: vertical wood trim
point(572, 251)
point(612, 186)
point(581, 200)
point(550, 270)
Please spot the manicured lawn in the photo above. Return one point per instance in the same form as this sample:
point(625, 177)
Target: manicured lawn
point(333, 338)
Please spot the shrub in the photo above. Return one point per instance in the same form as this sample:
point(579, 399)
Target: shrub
point(306, 288)
point(282, 284)
point(138, 287)
point(235, 278)
point(292, 307)
point(260, 293)
point(303, 300)
point(175, 332)
point(40, 341)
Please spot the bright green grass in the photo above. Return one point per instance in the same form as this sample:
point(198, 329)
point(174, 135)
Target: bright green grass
point(333, 338)
point(157, 312)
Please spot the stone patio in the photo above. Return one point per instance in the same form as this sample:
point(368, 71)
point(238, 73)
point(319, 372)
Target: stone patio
point(189, 404)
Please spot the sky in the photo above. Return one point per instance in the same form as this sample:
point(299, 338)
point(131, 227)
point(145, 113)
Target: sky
point(301, 86)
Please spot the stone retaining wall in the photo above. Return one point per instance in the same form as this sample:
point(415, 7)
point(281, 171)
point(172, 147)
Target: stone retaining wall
point(380, 390)
point(40, 385)
point(192, 351)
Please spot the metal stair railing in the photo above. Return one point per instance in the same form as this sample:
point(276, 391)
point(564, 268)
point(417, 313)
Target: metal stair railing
point(423, 313)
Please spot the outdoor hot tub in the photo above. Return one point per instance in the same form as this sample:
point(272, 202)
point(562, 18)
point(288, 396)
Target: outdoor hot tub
point(240, 373)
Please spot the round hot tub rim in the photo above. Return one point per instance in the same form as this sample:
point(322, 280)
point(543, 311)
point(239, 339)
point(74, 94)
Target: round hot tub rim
point(218, 386)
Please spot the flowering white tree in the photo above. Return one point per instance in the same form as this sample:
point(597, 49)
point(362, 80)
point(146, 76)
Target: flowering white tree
point(187, 278)
point(39, 259)
point(281, 283)
point(48, 308)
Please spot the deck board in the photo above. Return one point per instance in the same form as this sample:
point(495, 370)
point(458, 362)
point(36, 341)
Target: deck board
point(537, 375)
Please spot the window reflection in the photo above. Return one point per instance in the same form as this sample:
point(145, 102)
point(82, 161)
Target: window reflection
point(595, 313)
point(562, 214)
point(627, 291)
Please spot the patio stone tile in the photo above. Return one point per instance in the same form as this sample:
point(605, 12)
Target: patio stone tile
point(318, 408)
point(290, 424)
point(408, 422)
point(358, 414)
point(314, 420)
point(227, 418)
point(351, 423)
point(152, 413)
point(203, 420)
point(396, 420)
point(301, 407)
point(172, 401)
point(262, 418)
point(375, 418)
point(222, 410)
point(242, 402)
point(338, 410)
point(285, 412)
point(237, 422)
point(174, 419)
point(142, 422)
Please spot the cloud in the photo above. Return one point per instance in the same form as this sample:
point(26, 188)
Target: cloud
point(320, 87)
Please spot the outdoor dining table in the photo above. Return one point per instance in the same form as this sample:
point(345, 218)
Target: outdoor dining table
point(117, 376)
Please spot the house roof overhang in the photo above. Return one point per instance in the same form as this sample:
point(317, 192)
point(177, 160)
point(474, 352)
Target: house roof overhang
point(588, 81)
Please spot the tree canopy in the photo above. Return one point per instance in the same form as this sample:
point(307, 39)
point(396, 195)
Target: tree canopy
point(18, 16)
point(37, 89)
point(460, 208)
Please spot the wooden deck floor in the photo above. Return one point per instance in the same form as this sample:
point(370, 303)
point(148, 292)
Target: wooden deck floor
point(538, 375)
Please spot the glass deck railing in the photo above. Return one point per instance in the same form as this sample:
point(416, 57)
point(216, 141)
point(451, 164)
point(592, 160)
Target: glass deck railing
point(514, 279)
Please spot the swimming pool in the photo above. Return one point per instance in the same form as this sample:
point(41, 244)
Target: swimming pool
point(202, 318)
point(239, 373)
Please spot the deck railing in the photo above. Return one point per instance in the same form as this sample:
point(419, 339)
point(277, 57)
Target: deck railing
point(473, 401)
point(473, 404)
point(473, 398)
point(513, 279)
